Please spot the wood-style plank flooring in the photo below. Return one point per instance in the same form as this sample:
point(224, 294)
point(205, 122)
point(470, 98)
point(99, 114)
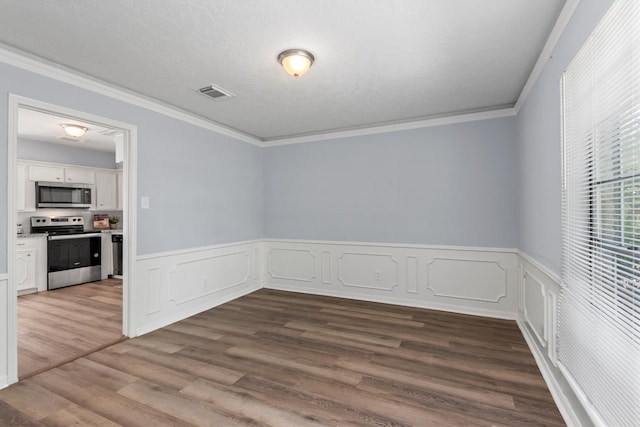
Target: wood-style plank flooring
point(57, 326)
point(288, 359)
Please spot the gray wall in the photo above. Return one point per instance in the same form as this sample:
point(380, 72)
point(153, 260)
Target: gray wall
point(446, 185)
point(194, 177)
point(465, 184)
point(58, 153)
point(539, 145)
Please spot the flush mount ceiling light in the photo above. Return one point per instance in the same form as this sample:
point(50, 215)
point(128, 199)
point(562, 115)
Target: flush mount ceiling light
point(296, 62)
point(75, 131)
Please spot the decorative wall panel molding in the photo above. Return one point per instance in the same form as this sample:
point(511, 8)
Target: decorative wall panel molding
point(535, 306)
point(551, 327)
point(153, 285)
point(538, 321)
point(257, 264)
point(292, 264)
point(194, 279)
point(326, 267)
point(365, 270)
point(177, 285)
point(539, 290)
point(412, 274)
point(521, 288)
point(6, 323)
point(467, 279)
point(481, 281)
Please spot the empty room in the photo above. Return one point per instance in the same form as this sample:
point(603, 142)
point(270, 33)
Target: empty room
point(329, 213)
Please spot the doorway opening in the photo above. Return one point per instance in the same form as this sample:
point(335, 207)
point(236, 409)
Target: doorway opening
point(59, 312)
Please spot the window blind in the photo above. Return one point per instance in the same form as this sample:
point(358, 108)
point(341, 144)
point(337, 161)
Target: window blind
point(599, 315)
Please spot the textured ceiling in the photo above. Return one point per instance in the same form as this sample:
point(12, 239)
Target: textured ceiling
point(38, 126)
point(377, 61)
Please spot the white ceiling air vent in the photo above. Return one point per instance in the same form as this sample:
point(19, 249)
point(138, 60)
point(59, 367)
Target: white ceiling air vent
point(215, 93)
point(68, 138)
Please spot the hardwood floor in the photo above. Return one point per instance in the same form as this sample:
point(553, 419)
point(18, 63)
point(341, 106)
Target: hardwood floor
point(57, 326)
point(287, 359)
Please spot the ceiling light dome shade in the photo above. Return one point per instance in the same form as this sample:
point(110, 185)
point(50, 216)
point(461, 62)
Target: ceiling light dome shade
point(296, 62)
point(75, 131)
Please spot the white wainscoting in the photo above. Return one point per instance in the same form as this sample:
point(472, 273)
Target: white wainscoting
point(538, 321)
point(175, 285)
point(4, 325)
point(481, 281)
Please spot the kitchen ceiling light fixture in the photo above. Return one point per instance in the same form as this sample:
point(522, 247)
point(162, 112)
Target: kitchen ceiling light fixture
point(296, 62)
point(75, 131)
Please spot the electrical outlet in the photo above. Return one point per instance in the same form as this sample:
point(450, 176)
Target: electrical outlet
point(377, 275)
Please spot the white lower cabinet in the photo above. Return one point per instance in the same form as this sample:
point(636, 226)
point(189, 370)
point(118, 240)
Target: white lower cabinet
point(26, 270)
point(31, 265)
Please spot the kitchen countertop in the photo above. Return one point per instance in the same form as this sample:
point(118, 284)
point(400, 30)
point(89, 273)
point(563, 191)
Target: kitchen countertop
point(25, 235)
point(112, 231)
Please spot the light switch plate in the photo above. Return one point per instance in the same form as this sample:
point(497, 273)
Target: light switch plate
point(144, 202)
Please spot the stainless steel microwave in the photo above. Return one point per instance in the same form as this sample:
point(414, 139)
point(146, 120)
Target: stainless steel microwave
point(57, 195)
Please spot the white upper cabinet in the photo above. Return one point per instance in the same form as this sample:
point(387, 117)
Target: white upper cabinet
point(120, 188)
point(46, 173)
point(79, 176)
point(106, 192)
point(61, 174)
point(25, 190)
point(106, 184)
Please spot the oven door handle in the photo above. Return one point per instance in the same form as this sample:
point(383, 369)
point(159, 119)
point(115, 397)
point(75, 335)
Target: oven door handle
point(74, 236)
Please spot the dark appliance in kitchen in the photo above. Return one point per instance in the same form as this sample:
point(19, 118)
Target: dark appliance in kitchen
point(73, 255)
point(60, 195)
point(116, 241)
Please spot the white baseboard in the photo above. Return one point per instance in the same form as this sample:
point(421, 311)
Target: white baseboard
point(402, 302)
point(150, 327)
point(564, 404)
point(173, 286)
point(478, 281)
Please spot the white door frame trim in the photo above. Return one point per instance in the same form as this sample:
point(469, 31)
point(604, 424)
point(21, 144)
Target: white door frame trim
point(129, 221)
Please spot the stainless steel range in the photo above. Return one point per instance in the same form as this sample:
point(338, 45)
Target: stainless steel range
point(73, 254)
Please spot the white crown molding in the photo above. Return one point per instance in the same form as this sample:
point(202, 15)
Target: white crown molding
point(565, 405)
point(559, 27)
point(440, 121)
point(58, 72)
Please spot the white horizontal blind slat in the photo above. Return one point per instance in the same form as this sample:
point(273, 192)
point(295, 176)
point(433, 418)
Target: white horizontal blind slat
point(599, 315)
